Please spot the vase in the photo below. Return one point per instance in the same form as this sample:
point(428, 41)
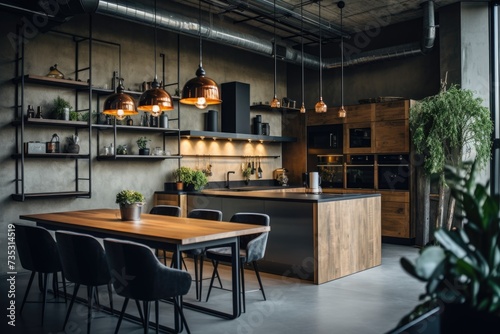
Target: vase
point(144, 151)
point(179, 186)
point(131, 211)
point(73, 148)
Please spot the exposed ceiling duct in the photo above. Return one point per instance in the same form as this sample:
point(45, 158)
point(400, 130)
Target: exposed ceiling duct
point(182, 24)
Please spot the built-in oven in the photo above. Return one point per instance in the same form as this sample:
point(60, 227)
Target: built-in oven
point(360, 137)
point(360, 171)
point(393, 171)
point(325, 136)
point(331, 170)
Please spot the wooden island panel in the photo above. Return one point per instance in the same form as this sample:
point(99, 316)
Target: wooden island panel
point(348, 237)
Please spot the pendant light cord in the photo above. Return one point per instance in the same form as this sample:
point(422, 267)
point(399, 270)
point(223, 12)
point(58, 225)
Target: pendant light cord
point(302, 44)
point(155, 34)
point(341, 58)
point(320, 57)
point(199, 32)
point(274, 51)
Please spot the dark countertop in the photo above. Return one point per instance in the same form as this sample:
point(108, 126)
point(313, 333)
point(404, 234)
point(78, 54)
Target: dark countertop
point(281, 195)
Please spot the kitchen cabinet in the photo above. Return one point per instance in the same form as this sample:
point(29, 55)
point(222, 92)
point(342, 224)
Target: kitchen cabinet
point(379, 131)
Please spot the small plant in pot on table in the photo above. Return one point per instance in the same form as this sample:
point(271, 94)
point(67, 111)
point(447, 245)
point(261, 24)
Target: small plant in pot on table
point(142, 143)
point(131, 203)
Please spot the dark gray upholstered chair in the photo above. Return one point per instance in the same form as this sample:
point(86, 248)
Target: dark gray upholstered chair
point(165, 210)
point(38, 252)
point(198, 254)
point(146, 279)
point(252, 249)
point(84, 262)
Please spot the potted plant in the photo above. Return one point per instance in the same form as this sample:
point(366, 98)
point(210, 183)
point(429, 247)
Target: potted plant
point(445, 128)
point(142, 142)
point(191, 179)
point(61, 109)
point(246, 174)
point(73, 144)
point(131, 203)
point(462, 272)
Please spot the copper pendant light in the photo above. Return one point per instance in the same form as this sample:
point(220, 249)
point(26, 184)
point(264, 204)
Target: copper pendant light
point(302, 107)
point(320, 106)
point(119, 105)
point(200, 91)
point(155, 100)
point(275, 103)
point(342, 112)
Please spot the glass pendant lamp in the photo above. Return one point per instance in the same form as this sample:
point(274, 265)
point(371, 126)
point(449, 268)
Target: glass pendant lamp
point(200, 91)
point(275, 103)
point(320, 106)
point(342, 112)
point(155, 100)
point(302, 107)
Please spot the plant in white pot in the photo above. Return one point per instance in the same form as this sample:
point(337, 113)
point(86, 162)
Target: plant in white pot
point(131, 203)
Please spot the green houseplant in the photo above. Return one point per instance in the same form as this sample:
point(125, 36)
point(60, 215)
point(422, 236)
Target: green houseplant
point(462, 272)
point(142, 143)
point(191, 178)
point(445, 128)
point(131, 203)
point(58, 109)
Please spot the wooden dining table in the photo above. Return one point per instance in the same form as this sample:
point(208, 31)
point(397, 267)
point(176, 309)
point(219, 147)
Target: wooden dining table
point(157, 231)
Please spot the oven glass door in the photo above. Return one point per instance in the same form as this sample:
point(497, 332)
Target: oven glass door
point(393, 177)
point(332, 176)
point(360, 176)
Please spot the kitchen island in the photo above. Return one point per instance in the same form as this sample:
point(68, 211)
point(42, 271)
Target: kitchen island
point(317, 237)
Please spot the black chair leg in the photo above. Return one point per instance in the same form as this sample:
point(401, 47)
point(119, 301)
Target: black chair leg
point(139, 308)
point(90, 296)
point(181, 313)
point(146, 316)
point(124, 307)
point(75, 291)
point(44, 298)
point(64, 285)
point(215, 264)
point(110, 293)
point(32, 276)
point(242, 285)
point(196, 278)
point(157, 317)
point(200, 282)
point(256, 269)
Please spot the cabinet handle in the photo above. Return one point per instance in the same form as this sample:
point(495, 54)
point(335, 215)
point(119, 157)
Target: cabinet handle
point(331, 138)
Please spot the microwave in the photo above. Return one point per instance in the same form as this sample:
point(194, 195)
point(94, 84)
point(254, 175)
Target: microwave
point(325, 136)
point(360, 137)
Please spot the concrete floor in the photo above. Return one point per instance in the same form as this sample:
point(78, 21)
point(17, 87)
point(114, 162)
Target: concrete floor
point(372, 301)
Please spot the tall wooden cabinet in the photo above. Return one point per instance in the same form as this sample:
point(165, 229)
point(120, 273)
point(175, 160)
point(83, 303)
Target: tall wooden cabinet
point(375, 156)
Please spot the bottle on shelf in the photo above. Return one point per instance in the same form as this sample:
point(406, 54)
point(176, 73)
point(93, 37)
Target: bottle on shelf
point(130, 121)
point(111, 149)
point(31, 111)
point(39, 112)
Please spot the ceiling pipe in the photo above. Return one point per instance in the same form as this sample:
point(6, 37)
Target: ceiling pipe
point(182, 24)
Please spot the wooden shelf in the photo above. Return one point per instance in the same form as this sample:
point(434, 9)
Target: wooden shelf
point(41, 80)
point(267, 107)
point(135, 128)
point(136, 157)
point(52, 156)
point(60, 194)
point(51, 122)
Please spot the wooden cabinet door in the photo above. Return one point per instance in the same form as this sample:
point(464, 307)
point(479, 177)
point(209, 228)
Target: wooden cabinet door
point(392, 136)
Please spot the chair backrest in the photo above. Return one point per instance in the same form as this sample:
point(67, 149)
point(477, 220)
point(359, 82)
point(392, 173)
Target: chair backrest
point(166, 210)
point(208, 214)
point(37, 249)
point(83, 259)
point(255, 244)
point(141, 275)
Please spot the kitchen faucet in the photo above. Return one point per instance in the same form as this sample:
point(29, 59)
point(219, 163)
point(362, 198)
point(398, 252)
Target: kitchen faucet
point(227, 178)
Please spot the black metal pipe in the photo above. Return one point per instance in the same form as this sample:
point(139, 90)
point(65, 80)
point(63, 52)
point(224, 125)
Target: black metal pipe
point(495, 96)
